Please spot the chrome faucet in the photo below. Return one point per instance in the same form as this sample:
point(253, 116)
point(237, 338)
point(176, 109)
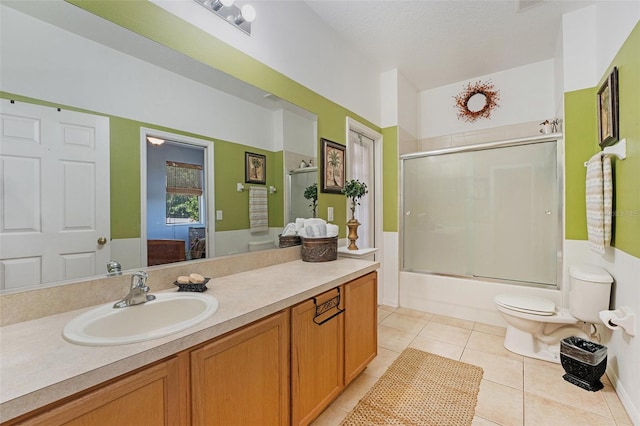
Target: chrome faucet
point(138, 292)
point(114, 268)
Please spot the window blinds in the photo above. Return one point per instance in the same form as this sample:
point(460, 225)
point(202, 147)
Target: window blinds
point(183, 178)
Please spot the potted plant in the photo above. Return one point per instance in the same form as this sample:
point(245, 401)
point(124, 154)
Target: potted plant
point(354, 190)
point(311, 193)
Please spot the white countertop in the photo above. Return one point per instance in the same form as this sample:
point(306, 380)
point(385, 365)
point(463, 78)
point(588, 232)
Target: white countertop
point(356, 254)
point(37, 366)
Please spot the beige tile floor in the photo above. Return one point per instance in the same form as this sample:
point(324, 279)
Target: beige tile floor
point(515, 390)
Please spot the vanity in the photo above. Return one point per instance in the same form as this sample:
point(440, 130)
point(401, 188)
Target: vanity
point(284, 342)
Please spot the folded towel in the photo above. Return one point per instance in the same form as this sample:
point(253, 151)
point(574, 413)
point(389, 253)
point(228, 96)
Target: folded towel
point(607, 194)
point(314, 221)
point(289, 230)
point(258, 210)
point(599, 193)
point(299, 223)
point(314, 231)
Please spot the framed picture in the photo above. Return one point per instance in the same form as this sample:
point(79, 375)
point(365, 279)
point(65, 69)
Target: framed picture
point(332, 166)
point(608, 110)
point(255, 168)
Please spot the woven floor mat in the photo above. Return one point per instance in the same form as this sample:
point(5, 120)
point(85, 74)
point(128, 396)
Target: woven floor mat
point(420, 388)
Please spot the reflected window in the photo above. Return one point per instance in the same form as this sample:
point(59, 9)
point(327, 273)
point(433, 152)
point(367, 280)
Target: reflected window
point(184, 193)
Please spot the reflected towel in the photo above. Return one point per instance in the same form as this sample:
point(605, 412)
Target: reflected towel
point(599, 203)
point(289, 230)
point(258, 210)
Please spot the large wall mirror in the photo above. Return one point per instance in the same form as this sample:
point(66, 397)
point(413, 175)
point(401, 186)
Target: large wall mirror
point(57, 55)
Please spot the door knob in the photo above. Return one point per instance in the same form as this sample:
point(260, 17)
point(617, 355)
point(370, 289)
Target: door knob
point(102, 241)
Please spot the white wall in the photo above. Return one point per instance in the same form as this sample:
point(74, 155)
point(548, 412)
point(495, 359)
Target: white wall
point(297, 132)
point(389, 95)
point(526, 94)
point(614, 23)
point(407, 106)
point(591, 38)
point(44, 62)
point(290, 38)
point(579, 36)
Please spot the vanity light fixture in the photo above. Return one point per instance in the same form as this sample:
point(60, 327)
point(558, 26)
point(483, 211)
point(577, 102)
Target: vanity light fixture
point(155, 141)
point(240, 18)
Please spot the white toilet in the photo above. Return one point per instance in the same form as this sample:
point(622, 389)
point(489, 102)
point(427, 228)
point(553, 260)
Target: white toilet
point(535, 325)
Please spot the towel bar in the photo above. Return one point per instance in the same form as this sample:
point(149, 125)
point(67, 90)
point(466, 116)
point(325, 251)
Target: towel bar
point(619, 150)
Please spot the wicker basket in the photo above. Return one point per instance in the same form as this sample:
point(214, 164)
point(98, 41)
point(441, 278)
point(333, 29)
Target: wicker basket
point(289, 241)
point(319, 249)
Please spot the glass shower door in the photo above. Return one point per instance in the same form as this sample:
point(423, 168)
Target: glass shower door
point(491, 213)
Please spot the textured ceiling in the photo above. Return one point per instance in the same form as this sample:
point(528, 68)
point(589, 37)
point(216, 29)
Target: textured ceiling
point(439, 42)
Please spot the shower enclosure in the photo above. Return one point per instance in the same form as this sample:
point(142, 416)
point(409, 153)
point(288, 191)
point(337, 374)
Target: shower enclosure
point(299, 180)
point(490, 211)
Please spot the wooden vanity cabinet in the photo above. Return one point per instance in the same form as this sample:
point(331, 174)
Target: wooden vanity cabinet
point(280, 370)
point(360, 325)
point(153, 395)
point(328, 351)
point(243, 378)
point(317, 357)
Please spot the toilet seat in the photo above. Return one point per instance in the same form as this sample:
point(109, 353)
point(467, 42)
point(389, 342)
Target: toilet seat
point(532, 305)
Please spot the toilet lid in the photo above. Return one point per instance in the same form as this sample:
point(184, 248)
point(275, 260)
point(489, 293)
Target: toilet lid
point(527, 304)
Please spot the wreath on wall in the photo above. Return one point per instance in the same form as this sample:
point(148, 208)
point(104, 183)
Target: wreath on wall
point(477, 100)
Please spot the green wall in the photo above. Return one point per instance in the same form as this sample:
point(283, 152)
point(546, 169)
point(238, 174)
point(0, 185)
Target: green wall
point(581, 143)
point(156, 24)
point(227, 157)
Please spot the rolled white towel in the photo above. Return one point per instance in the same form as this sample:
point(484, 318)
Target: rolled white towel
point(314, 221)
point(299, 223)
point(332, 230)
point(316, 231)
point(289, 230)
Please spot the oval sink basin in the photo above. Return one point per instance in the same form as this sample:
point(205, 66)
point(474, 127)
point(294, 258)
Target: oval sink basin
point(169, 313)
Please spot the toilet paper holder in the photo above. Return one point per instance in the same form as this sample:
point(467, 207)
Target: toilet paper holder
point(623, 318)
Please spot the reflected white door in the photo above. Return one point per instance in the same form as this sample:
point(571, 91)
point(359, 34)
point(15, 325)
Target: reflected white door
point(54, 193)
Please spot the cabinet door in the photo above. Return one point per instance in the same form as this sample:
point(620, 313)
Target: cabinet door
point(154, 395)
point(317, 356)
point(243, 378)
point(360, 325)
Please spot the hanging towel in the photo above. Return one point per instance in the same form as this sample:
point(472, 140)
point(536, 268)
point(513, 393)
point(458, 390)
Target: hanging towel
point(258, 211)
point(599, 194)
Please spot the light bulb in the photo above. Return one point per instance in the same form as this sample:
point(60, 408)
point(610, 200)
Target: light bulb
point(227, 3)
point(155, 141)
point(248, 13)
point(215, 5)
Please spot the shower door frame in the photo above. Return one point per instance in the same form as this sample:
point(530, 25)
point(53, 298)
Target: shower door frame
point(554, 137)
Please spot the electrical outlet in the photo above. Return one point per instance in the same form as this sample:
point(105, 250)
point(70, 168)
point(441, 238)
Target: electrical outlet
point(329, 214)
point(218, 214)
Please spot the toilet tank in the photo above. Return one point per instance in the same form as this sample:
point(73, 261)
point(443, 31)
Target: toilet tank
point(261, 245)
point(589, 292)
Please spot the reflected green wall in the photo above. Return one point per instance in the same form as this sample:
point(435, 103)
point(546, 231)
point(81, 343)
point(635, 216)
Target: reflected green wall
point(581, 143)
point(234, 204)
point(153, 22)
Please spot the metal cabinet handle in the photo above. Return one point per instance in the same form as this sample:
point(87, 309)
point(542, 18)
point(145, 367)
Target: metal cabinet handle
point(325, 307)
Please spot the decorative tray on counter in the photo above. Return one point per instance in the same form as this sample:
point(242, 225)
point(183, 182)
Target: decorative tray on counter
point(199, 287)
